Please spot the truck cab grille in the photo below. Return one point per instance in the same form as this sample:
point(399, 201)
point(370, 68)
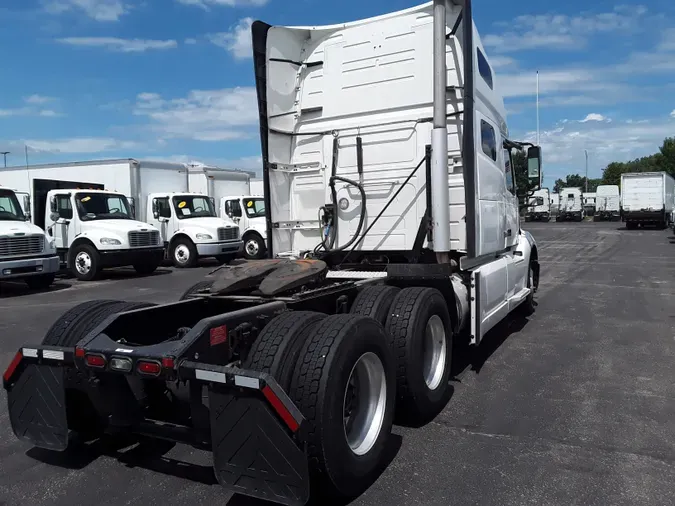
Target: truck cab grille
point(140, 239)
point(22, 245)
point(228, 234)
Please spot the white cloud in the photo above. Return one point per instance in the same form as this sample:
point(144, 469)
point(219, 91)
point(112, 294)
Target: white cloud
point(672, 113)
point(556, 31)
point(38, 99)
point(594, 116)
point(204, 4)
point(204, 115)
point(237, 40)
point(563, 145)
point(498, 62)
point(120, 45)
point(99, 10)
point(74, 145)
point(49, 113)
point(190, 41)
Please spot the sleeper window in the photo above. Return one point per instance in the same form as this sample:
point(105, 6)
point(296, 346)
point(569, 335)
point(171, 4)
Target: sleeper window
point(488, 139)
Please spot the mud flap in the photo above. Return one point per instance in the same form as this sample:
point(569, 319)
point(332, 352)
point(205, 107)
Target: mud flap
point(37, 407)
point(253, 452)
point(535, 274)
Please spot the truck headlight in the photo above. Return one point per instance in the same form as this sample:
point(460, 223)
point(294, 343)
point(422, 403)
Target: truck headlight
point(204, 237)
point(109, 241)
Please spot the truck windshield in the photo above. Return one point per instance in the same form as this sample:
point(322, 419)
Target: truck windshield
point(102, 206)
point(255, 208)
point(10, 210)
point(193, 206)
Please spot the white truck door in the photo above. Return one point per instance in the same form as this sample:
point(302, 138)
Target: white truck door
point(233, 209)
point(59, 219)
point(161, 206)
point(511, 214)
point(489, 188)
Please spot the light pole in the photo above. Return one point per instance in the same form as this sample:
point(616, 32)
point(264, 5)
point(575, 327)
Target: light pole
point(586, 153)
point(5, 153)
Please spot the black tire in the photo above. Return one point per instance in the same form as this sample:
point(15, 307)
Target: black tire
point(631, 225)
point(41, 282)
point(318, 388)
point(417, 400)
point(200, 286)
point(527, 307)
point(184, 253)
point(375, 302)
point(67, 331)
point(277, 347)
point(254, 246)
point(84, 262)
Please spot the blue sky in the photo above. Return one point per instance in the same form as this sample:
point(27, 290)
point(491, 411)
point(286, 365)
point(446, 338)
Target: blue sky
point(172, 79)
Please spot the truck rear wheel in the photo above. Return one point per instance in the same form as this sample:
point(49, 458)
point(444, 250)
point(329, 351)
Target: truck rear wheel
point(85, 262)
point(344, 384)
point(200, 286)
point(67, 331)
point(375, 301)
point(420, 331)
point(184, 253)
point(277, 347)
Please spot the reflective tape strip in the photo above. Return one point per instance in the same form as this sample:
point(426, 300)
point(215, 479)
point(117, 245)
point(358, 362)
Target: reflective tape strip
point(246, 382)
point(52, 355)
point(30, 352)
point(218, 377)
point(355, 275)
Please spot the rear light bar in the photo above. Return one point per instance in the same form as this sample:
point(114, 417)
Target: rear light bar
point(95, 360)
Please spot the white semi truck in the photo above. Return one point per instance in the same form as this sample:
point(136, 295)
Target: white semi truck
point(647, 198)
point(233, 198)
point(26, 252)
point(540, 206)
point(570, 206)
point(607, 203)
point(393, 230)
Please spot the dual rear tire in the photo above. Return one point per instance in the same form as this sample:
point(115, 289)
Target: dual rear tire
point(352, 375)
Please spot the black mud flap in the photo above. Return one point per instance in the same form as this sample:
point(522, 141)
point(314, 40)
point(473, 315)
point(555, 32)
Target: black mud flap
point(253, 453)
point(535, 274)
point(36, 403)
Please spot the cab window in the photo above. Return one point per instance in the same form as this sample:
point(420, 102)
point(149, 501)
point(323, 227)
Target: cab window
point(64, 207)
point(488, 139)
point(508, 172)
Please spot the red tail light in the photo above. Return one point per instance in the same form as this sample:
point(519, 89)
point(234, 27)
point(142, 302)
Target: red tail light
point(79, 352)
point(95, 361)
point(12, 366)
point(147, 367)
point(167, 362)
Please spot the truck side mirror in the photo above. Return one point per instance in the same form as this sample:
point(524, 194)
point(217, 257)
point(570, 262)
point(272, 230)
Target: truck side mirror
point(27, 207)
point(54, 217)
point(155, 208)
point(534, 167)
point(132, 205)
point(52, 205)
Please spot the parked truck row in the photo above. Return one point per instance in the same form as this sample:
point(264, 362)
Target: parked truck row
point(646, 198)
point(113, 213)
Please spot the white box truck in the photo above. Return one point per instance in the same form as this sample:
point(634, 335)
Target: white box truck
point(231, 191)
point(570, 206)
point(26, 252)
point(257, 187)
point(647, 198)
point(85, 207)
point(607, 203)
point(393, 231)
point(540, 206)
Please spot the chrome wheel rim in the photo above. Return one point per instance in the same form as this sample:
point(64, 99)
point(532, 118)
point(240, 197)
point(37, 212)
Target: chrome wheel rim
point(182, 254)
point(364, 403)
point(83, 262)
point(435, 348)
point(252, 247)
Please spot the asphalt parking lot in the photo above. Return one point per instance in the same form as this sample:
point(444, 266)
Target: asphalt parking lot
point(571, 407)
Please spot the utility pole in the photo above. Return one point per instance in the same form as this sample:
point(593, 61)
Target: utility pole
point(5, 153)
point(538, 108)
point(586, 153)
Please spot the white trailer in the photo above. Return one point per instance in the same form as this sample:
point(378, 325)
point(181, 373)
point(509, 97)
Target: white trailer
point(26, 252)
point(607, 203)
point(540, 206)
point(257, 187)
point(393, 230)
point(647, 198)
point(570, 205)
